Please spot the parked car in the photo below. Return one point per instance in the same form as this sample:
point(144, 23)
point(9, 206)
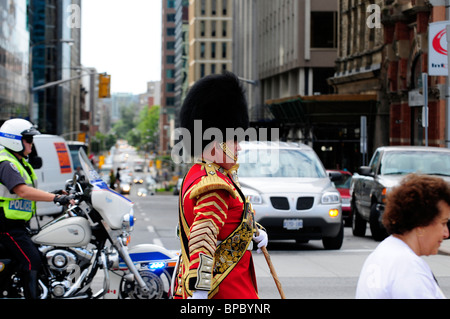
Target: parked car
point(388, 166)
point(343, 186)
point(292, 195)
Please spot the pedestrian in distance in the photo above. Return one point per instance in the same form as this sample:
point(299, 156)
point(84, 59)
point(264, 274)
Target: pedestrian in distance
point(416, 217)
point(18, 197)
point(216, 223)
point(112, 179)
point(118, 176)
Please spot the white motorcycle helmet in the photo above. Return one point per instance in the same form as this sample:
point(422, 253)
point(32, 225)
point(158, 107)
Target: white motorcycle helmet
point(12, 131)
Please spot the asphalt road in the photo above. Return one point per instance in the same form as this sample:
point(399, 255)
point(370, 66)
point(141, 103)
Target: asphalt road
point(304, 270)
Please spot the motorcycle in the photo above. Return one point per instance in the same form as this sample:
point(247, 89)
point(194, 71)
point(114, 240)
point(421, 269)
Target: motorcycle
point(89, 236)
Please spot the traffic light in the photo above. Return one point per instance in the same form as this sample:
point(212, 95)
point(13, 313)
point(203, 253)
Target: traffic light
point(104, 86)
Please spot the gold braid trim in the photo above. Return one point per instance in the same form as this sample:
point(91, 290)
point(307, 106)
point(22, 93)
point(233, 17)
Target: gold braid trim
point(210, 182)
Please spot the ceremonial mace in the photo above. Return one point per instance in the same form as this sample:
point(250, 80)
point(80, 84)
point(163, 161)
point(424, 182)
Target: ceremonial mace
point(272, 269)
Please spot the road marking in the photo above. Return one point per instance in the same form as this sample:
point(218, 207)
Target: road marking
point(356, 250)
point(156, 241)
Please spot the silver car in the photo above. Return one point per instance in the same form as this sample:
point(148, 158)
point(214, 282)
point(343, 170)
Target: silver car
point(293, 196)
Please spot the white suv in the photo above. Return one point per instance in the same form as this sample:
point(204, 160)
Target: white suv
point(292, 195)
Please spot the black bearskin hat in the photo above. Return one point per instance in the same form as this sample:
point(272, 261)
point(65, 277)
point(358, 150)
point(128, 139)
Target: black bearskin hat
point(219, 102)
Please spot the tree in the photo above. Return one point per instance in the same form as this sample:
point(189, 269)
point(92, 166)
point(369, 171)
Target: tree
point(148, 125)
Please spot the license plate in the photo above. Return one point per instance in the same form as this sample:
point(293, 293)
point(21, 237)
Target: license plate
point(293, 224)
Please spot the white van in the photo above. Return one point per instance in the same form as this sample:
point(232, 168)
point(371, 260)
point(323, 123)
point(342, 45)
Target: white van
point(52, 163)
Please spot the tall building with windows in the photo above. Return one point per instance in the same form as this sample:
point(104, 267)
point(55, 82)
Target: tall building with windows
point(14, 53)
point(167, 110)
point(210, 37)
point(55, 45)
point(181, 53)
point(284, 48)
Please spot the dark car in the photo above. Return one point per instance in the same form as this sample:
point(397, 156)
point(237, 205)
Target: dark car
point(388, 166)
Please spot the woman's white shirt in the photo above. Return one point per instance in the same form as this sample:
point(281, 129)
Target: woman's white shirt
point(394, 271)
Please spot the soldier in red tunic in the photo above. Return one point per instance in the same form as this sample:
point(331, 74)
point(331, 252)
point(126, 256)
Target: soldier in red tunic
point(216, 224)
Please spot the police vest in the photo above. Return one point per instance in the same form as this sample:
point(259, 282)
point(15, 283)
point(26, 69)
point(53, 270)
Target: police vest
point(15, 207)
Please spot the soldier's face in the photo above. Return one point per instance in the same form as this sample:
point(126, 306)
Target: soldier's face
point(227, 153)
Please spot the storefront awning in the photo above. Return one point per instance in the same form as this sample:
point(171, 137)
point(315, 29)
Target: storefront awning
point(335, 108)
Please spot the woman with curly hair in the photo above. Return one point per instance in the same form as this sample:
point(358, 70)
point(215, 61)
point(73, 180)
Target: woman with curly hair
point(416, 217)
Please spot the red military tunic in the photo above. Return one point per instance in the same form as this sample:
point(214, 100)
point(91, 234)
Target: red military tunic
point(212, 209)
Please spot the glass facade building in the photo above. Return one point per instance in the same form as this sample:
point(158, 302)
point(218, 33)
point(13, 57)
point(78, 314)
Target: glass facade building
point(14, 57)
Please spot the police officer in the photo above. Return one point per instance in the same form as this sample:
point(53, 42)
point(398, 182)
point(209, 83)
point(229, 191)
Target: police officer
point(18, 196)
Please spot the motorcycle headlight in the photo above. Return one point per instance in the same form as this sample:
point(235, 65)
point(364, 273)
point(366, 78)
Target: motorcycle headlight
point(331, 198)
point(128, 221)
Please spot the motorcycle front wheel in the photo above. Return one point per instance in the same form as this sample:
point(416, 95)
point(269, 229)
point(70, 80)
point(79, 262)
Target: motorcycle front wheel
point(156, 282)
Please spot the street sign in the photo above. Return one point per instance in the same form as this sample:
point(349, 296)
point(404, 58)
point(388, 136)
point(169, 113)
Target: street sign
point(437, 47)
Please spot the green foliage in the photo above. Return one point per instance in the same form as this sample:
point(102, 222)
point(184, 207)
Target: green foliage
point(140, 129)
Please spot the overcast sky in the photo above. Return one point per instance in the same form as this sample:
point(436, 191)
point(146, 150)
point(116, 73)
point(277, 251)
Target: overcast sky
point(123, 39)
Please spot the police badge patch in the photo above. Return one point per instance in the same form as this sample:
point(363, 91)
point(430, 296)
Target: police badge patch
point(14, 167)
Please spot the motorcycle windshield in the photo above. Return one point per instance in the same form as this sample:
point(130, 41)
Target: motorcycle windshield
point(90, 172)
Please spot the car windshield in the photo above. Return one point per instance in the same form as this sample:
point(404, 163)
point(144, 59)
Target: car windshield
point(344, 182)
point(431, 163)
point(279, 163)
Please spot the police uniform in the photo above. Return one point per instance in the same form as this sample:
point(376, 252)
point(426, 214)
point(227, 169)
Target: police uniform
point(15, 212)
point(216, 225)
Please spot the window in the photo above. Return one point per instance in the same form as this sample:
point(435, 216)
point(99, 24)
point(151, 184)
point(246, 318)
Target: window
point(170, 87)
point(203, 7)
point(171, 17)
point(323, 29)
point(224, 7)
point(170, 59)
point(202, 49)
point(170, 45)
point(224, 28)
point(213, 28)
point(202, 28)
point(224, 50)
point(170, 32)
point(170, 101)
point(213, 50)
point(213, 7)
point(170, 73)
point(202, 70)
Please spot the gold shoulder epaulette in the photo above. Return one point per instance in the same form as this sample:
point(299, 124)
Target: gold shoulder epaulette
point(210, 182)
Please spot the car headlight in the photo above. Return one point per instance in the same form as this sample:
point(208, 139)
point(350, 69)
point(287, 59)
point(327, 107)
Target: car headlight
point(128, 221)
point(330, 198)
point(255, 199)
